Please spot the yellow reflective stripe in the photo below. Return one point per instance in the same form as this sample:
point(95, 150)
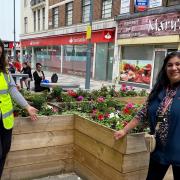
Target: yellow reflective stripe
point(7, 114)
point(3, 91)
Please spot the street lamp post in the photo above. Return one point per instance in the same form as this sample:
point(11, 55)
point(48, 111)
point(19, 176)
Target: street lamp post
point(88, 61)
point(14, 30)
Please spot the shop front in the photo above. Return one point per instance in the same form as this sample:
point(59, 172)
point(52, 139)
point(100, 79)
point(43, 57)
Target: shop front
point(9, 47)
point(67, 53)
point(143, 44)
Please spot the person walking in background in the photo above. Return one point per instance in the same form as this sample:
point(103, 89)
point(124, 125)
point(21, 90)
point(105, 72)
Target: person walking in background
point(39, 76)
point(8, 90)
point(26, 70)
point(17, 65)
point(163, 105)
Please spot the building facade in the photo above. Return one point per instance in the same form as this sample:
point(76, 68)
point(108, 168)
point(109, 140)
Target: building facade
point(58, 38)
point(144, 39)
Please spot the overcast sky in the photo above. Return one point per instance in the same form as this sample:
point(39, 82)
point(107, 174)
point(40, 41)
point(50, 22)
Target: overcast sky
point(7, 19)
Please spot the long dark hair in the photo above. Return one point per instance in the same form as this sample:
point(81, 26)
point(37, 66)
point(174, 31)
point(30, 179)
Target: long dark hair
point(162, 78)
point(3, 63)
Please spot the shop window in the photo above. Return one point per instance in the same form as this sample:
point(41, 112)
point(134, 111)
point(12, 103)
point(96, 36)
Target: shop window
point(136, 65)
point(38, 19)
point(34, 16)
point(55, 17)
point(69, 12)
point(43, 18)
point(75, 52)
point(25, 25)
point(106, 8)
point(155, 3)
point(48, 56)
point(86, 4)
point(125, 6)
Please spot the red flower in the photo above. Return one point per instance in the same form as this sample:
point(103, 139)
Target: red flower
point(72, 93)
point(126, 111)
point(106, 115)
point(101, 117)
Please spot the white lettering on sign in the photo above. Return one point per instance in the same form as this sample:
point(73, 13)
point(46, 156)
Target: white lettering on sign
point(34, 43)
point(156, 25)
point(77, 40)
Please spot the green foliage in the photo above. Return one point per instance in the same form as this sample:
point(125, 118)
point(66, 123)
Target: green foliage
point(56, 91)
point(38, 101)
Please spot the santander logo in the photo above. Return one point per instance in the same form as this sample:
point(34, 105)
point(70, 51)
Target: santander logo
point(108, 36)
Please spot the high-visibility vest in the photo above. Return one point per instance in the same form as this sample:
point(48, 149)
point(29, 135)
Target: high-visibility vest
point(6, 106)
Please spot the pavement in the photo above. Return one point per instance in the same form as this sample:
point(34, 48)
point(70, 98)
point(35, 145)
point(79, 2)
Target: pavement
point(71, 176)
point(71, 79)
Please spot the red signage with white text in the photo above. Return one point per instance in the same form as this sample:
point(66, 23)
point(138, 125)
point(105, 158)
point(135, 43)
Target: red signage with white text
point(98, 36)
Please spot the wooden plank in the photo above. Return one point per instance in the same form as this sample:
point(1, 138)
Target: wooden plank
point(169, 174)
point(84, 172)
point(106, 135)
point(122, 163)
point(102, 170)
point(41, 139)
point(35, 156)
point(38, 170)
point(106, 154)
point(44, 123)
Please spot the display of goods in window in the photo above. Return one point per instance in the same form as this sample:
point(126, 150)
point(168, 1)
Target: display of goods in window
point(136, 71)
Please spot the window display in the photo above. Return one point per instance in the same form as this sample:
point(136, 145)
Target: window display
point(136, 71)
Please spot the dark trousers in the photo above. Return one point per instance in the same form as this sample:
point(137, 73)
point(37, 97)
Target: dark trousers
point(5, 144)
point(157, 171)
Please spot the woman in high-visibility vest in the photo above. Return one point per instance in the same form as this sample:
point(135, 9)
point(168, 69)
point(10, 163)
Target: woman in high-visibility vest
point(8, 90)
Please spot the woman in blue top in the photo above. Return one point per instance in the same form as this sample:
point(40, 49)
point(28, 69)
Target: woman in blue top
point(164, 100)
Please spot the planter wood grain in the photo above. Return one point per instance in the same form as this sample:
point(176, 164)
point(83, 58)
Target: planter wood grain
point(40, 148)
point(135, 99)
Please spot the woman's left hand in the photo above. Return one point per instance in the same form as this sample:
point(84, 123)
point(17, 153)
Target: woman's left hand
point(32, 112)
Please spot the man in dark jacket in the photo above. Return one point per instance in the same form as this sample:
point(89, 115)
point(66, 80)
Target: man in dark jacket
point(38, 77)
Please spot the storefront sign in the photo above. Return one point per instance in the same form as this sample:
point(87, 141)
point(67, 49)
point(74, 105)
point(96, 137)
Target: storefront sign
point(141, 5)
point(125, 6)
point(155, 3)
point(158, 25)
point(10, 44)
point(98, 36)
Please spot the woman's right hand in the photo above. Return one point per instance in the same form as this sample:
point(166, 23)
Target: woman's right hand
point(119, 134)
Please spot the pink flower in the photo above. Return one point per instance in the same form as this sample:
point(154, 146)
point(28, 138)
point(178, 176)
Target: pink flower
point(123, 87)
point(107, 115)
point(80, 98)
point(130, 105)
point(100, 99)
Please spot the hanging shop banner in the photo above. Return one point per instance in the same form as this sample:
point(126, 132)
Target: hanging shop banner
point(155, 3)
point(136, 71)
point(141, 5)
point(125, 6)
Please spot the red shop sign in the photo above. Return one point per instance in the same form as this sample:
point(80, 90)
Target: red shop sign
point(98, 36)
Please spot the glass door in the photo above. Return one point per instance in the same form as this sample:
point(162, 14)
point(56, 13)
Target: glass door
point(159, 56)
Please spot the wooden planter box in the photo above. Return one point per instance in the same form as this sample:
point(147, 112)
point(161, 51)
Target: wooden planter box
point(135, 100)
point(59, 144)
point(98, 156)
point(40, 148)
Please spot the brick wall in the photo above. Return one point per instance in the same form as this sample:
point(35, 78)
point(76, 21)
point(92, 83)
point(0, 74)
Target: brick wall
point(116, 8)
point(77, 11)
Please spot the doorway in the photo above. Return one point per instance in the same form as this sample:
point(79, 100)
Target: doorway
point(104, 61)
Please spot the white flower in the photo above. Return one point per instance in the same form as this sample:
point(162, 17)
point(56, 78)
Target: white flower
point(111, 115)
point(49, 107)
point(116, 116)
